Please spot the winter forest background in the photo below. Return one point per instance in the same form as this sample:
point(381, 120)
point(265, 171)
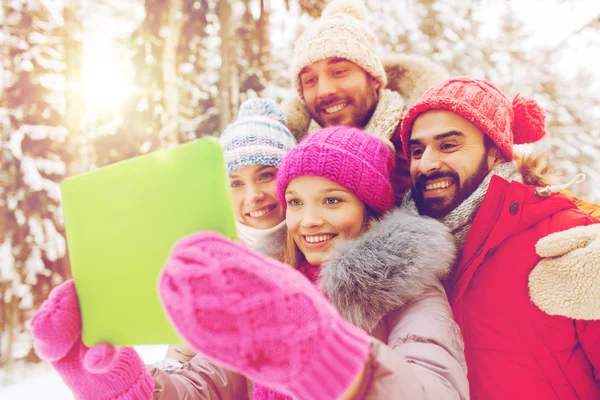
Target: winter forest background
point(86, 83)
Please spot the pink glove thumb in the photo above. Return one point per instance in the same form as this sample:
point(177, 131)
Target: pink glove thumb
point(97, 373)
point(57, 324)
point(101, 358)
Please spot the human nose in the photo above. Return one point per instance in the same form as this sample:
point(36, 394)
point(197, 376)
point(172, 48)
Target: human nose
point(429, 162)
point(311, 218)
point(326, 88)
point(254, 194)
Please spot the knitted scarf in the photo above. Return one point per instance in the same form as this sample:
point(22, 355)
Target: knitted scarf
point(461, 218)
point(388, 114)
point(269, 242)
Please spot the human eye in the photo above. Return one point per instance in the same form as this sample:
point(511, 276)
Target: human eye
point(266, 176)
point(236, 183)
point(294, 203)
point(331, 201)
point(308, 80)
point(416, 153)
point(339, 71)
point(449, 146)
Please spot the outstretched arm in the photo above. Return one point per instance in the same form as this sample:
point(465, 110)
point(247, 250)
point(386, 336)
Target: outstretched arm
point(424, 357)
point(392, 274)
point(588, 333)
point(198, 379)
point(97, 373)
point(566, 283)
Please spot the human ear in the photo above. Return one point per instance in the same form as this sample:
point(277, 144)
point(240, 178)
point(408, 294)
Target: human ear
point(375, 83)
point(495, 157)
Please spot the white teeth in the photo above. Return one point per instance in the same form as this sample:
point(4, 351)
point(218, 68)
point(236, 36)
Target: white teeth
point(438, 185)
point(259, 213)
point(318, 239)
point(334, 109)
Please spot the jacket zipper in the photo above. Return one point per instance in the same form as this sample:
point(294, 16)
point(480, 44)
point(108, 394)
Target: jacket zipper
point(480, 249)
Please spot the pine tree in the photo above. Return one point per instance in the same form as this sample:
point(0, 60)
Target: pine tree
point(198, 67)
point(229, 72)
point(254, 48)
point(144, 113)
point(33, 160)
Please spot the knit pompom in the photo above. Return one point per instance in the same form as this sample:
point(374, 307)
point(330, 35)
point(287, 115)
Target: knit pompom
point(260, 107)
point(354, 8)
point(530, 120)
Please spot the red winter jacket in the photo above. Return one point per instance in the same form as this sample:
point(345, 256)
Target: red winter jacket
point(513, 349)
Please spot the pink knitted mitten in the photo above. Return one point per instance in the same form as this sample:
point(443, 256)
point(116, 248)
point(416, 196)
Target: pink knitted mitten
point(96, 373)
point(260, 317)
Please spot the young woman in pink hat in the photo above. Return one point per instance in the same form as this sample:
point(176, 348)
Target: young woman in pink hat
point(272, 325)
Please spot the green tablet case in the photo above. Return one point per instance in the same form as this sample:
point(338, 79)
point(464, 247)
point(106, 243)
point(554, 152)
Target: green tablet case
point(121, 222)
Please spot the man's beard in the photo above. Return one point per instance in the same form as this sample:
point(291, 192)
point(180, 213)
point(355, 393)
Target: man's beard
point(357, 120)
point(439, 207)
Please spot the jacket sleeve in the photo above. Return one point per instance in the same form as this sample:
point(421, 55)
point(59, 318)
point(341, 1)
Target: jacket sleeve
point(588, 208)
point(182, 353)
point(589, 338)
point(197, 379)
point(424, 357)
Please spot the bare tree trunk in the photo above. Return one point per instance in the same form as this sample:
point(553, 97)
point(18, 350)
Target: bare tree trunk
point(13, 320)
point(262, 31)
point(3, 324)
point(171, 88)
point(10, 320)
point(228, 82)
point(74, 97)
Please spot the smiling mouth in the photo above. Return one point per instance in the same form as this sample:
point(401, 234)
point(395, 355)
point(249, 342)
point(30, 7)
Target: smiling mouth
point(442, 184)
point(261, 212)
point(314, 239)
point(336, 108)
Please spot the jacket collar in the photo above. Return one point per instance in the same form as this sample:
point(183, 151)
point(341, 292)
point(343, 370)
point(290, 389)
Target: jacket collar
point(508, 209)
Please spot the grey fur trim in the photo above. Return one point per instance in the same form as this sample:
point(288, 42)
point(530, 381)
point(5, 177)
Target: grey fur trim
point(168, 365)
point(296, 114)
point(387, 267)
point(411, 75)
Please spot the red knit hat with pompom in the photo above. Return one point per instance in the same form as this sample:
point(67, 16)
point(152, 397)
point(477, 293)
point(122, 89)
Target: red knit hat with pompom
point(484, 105)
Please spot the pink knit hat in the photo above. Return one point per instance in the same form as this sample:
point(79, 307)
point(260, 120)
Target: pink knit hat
point(484, 105)
point(349, 156)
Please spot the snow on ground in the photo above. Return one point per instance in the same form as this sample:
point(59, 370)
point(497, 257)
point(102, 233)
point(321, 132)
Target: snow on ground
point(41, 382)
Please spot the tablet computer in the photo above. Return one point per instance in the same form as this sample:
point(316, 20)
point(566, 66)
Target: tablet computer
point(121, 222)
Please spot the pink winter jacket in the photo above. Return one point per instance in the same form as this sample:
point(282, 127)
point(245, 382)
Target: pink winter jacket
point(417, 353)
point(417, 350)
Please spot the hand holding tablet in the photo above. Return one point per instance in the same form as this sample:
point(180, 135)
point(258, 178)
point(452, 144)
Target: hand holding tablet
point(121, 222)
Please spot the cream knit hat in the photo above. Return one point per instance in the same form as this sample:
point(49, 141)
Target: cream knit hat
point(340, 32)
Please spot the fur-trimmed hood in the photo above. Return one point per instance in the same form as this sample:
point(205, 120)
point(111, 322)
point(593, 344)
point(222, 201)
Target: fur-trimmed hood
point(537, 169)
point(411, 76)
point(387, 267)
point(408, 75)
point(400, 256)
